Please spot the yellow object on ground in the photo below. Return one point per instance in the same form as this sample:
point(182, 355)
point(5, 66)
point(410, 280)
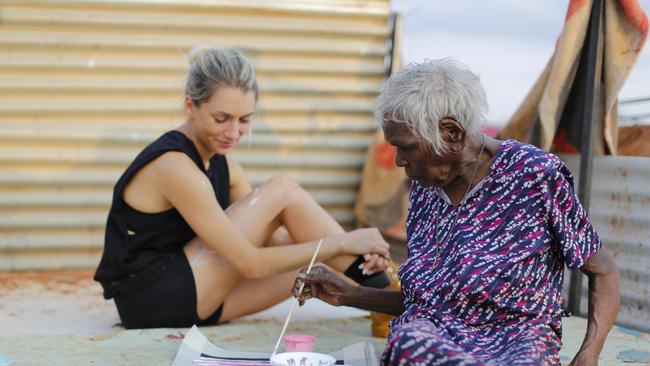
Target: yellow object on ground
point(379, 321)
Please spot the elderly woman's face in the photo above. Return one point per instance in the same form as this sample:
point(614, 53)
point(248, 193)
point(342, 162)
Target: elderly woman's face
point(413, 154)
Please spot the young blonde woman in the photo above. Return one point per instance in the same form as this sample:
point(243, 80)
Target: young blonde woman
point(188, 241)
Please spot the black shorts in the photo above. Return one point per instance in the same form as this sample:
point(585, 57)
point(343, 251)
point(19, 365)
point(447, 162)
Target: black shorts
point(167, 302)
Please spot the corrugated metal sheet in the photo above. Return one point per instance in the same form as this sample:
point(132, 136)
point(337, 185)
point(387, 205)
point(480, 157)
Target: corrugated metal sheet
point(85, 84)
point(620, 212)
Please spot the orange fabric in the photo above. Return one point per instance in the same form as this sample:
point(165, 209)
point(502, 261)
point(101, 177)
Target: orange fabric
point(634, 140)
point(386, 155)
point(562, 145)
point(625, 28)
point(574, 6)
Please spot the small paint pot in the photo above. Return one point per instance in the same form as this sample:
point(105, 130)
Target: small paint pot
point(299, 342)
point(302, 358)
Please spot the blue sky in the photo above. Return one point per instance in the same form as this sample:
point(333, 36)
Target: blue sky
point(507, 42)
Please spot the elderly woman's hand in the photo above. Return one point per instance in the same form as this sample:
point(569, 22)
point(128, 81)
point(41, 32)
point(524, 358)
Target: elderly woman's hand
point(585, 359)
point(322, 283)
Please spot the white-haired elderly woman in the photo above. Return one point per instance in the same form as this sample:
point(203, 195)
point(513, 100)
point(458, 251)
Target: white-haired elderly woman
point(490, 225)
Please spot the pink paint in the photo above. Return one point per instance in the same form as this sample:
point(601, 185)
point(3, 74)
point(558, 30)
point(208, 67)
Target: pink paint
point(299, 343)
point(177, 336)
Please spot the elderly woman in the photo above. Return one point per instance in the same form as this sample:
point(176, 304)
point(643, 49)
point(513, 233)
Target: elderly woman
point(490, 226)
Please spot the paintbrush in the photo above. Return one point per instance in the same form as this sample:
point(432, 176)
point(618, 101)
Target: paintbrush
point(293, 307)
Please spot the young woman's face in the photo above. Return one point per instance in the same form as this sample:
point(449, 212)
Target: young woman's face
point(223, 119)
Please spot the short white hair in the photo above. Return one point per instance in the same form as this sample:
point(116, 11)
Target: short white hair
point(422, 94)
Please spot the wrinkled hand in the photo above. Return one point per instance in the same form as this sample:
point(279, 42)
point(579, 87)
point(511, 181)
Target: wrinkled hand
point(367, 241)
point(324, 284)
point(585, 359)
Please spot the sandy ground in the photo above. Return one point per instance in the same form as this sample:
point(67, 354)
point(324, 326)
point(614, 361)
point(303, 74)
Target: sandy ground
point(70, 302)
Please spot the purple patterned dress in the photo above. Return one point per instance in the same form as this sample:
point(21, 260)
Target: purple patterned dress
point(493, 294)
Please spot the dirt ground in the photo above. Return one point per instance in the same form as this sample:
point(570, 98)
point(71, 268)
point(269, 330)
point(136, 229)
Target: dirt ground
point(70, 302)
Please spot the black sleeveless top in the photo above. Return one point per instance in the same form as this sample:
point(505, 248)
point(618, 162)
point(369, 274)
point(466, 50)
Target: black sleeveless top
point(138, 246)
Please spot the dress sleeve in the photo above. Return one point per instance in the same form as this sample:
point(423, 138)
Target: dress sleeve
point(413, 194)
point(567, 219)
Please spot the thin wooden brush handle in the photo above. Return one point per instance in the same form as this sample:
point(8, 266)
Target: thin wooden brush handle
point(293, 306)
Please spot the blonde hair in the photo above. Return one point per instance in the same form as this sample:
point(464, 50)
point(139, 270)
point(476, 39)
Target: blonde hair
point(212, 67)
point(422, 94)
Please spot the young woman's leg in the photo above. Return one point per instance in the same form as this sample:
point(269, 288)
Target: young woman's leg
point(303, 217)
point(279, 201)
point(252, 296)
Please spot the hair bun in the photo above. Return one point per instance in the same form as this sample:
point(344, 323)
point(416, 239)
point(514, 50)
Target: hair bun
point(212, 67)
point(196, 53)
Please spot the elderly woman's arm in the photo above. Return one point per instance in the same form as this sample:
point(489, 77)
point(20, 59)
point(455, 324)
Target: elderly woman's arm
point(324, 284)
point(603, 306)
point(372, 299)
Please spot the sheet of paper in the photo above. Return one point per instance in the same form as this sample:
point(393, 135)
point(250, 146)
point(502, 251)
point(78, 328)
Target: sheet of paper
point(195, 344)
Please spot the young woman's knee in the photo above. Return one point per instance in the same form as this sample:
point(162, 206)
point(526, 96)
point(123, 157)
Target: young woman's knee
point(285, 188)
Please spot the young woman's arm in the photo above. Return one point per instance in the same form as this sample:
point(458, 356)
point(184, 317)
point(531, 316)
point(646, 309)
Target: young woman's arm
point(188, 190)
point(239, 183)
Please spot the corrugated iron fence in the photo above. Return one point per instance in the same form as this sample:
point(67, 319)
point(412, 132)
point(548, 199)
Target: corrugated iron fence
point(620, 212)
point(84, 85)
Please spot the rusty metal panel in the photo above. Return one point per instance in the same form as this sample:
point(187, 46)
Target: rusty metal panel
point(620, 212)
point(85, 84)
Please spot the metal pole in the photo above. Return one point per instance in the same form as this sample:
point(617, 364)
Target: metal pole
point(393, 49)
point(591, 58)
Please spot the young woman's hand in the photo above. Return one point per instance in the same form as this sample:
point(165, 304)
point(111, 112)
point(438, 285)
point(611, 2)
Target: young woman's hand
point(321, 283)
point(365, 241)
point(374, 263)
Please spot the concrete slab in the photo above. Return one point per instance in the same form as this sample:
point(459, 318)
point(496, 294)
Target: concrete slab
point(59, 318)
point(159, 346)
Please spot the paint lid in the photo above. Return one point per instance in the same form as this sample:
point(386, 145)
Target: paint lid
point(5, 361)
